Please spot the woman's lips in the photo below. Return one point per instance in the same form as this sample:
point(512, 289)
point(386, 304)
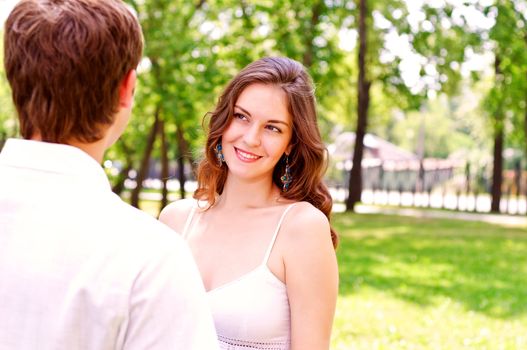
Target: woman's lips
point(246, 156)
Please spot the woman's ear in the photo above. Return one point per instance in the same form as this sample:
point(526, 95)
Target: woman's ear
point(288, 150)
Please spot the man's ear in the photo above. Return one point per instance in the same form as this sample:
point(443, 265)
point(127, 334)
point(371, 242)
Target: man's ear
point(126, 89)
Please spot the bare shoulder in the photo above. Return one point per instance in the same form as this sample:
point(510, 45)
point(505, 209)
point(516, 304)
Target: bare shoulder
point(311, 276)
point(176, 213)
point(307, 247)
point(304, 221)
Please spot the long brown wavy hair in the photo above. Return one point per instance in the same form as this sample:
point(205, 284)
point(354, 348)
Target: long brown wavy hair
point(308, 157)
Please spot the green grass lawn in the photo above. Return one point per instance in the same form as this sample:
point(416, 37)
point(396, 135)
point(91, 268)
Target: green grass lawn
point(409, 283)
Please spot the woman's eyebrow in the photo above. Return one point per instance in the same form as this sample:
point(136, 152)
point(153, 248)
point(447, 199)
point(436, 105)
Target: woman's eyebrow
point(276, 121)
point(244, 110)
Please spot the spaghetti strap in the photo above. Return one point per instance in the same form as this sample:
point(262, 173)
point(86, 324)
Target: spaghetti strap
point(268, 253)
point(189, 220)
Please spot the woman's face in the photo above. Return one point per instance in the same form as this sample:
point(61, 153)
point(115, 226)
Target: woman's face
point(259, 133)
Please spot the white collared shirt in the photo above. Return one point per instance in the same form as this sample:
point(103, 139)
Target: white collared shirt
point(80, 269)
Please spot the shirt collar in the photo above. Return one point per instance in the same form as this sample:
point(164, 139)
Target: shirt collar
point(53, 157)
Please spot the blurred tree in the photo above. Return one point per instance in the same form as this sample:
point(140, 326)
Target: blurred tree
point(304, 30)
point(506, 102)
point(8, 124)
point(363, 87)
point(437, 39)
point(452, 124)
point(192, 49)
point(179, 74)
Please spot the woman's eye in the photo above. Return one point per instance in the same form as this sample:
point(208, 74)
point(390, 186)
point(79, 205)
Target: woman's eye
point(240, 116)
point(274, 128)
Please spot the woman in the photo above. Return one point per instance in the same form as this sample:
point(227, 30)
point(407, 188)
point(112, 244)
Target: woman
point(259, 229)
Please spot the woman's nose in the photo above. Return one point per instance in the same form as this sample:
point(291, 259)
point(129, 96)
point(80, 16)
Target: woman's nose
point(252, 136)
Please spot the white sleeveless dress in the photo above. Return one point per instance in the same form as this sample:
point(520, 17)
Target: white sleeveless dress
point(252, 312)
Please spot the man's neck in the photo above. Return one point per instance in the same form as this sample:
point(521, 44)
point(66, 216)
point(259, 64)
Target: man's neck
point(94, 149)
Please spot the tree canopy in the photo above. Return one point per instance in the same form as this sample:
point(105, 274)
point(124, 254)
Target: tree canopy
point(419, 66)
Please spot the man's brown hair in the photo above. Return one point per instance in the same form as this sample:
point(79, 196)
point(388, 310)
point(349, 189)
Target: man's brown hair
point(65, 60)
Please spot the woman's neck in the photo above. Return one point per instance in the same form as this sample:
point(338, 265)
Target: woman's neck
point(248, 195)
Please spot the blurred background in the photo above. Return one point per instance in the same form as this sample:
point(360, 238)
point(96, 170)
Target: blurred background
point(423, 108)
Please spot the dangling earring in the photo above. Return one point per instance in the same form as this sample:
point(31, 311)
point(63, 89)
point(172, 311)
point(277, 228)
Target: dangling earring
point(286, 178)
point(219, 154)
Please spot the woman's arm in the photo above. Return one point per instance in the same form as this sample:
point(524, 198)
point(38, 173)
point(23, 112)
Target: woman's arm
point(311, 276)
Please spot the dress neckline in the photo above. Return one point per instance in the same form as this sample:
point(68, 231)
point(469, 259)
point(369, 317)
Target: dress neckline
point(260, 268)
point(263, 266)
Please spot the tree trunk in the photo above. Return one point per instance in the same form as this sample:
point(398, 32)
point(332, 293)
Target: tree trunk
point(145, 161)
point(3, 139)
point(497, 171)
point(118, 187)
point(307, 59)
point(164, 165)
point(182, 152)
point(525, 155)
point(355, 179)
point(525, 138)
point(192, 162)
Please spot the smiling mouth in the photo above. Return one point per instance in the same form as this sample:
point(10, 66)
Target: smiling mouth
point(246, 156)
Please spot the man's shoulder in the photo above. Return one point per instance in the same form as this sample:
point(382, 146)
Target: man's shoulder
point(134, 227)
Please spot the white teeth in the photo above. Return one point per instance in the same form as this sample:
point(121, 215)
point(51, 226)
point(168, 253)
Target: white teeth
point(247, 155)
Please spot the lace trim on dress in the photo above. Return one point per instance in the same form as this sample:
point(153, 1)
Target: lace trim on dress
point(236, 344)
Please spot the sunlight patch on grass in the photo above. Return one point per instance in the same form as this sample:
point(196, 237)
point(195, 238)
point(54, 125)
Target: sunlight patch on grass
point(375, 320)
point(410, 283)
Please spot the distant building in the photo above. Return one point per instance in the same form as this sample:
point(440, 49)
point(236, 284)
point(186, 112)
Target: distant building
point(386, 166)
point(376, 151)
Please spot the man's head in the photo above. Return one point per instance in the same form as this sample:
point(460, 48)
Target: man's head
point(70, 64)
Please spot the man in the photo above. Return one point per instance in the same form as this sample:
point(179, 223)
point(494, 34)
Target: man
point(79, 269)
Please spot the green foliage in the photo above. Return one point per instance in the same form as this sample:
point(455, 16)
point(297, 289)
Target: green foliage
point(181, 69)
point(8, 123)
point(506, 102)
point(415, 283)
point(451, 124)
point(306, 31)
point(193, 48)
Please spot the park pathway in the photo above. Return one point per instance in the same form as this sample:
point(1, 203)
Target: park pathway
point(499, 219)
